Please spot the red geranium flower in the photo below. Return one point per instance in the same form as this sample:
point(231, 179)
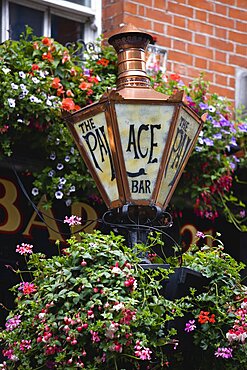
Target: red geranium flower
point(46, 41)
point(175, 77)
point(68, 104)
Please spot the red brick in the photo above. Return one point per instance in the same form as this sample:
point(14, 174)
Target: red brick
point(158, 15)
point(199, 39)
point(180, 9)
point(231, 82)
point(201, 63)
point(145, 2)
point(220, 9)
point(178, 21)
point(200, 51)
point(179, 45)
point(164, 41)
point(138, 22)
point(241, 4)
point(159, 27)
point(238, 14)
point(200, 27)
point(113, 10)
point(220, 56)
point(237, 36)
point(183, 58)
point(241, 49)
point(241, 26)
point(221, 80)
point(221, 21)
point(222, 91)
point(221, 32)
point(238, 60)
point(179, 33)
point(159, 4)
point(141, 10)
point(202, 4)
point(220, 44)
point(222, 68)
point(201, 15)
point(130, 7)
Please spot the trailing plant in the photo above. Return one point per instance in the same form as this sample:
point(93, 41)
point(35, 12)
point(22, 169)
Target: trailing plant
point(91, 307)
point(40, 78)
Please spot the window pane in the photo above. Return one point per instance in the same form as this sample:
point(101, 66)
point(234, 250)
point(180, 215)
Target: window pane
point(20, 16)
point(66, 30)
point(81, 2)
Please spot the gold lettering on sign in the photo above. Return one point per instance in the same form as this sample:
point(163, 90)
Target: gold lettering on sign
point(49, 223)
point(77, 209)
point(13, 217)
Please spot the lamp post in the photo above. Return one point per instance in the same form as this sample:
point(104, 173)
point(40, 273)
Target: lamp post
point(135, 141)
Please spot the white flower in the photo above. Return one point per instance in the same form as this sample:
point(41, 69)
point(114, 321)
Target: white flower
point(14, 86)
point(58, 194)
point(51, 173)
point(110, 332)
point(33, 99)
point(23, 87)
point(68, 202)
point(11, 102)
point(118, 306)
point(35, 80)
point(42, 74)
point(35, 191)
point(211, 109)
point(48, 102)
point(67, 158)
point(22, 74)
point(20, 120)
point(60, 166)
point(62, 180)
point(6, 70)
point(116, 270)
point(72, 188)
point(53, 156)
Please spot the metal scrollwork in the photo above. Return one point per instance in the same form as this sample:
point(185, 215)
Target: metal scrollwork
point(82, 49)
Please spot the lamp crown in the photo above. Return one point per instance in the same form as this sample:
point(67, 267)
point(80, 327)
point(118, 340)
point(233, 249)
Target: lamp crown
point(130, 44)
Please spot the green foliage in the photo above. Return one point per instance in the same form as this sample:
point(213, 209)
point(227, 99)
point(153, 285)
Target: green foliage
point(40, 76)
point(91, 308)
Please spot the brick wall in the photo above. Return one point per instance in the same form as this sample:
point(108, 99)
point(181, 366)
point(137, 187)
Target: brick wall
point(200, 35)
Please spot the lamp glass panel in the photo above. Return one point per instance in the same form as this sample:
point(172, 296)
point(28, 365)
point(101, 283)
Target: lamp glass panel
point(143, 133)
point(186, 130)
point(92, 134)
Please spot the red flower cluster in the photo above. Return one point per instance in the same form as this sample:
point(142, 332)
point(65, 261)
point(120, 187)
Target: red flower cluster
point(205, 317)
point(104, 62)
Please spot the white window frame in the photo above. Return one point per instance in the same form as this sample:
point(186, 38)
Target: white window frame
point(241, 90)
point(89, 16)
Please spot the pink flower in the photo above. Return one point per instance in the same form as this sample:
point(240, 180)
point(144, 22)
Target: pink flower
point(199, 234)
point(27, 288)
point(142, 352)
point(24, 248)
point(224, 352)
point(190, 326)
point(25, 344)
point(12, 323)
point(95, 337)
point(72, 220)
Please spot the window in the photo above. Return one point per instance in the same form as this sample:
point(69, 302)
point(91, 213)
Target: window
point(64, 20)
point(19, 16)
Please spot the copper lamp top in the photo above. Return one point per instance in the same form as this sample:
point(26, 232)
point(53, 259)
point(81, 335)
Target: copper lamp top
point(130, 44)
